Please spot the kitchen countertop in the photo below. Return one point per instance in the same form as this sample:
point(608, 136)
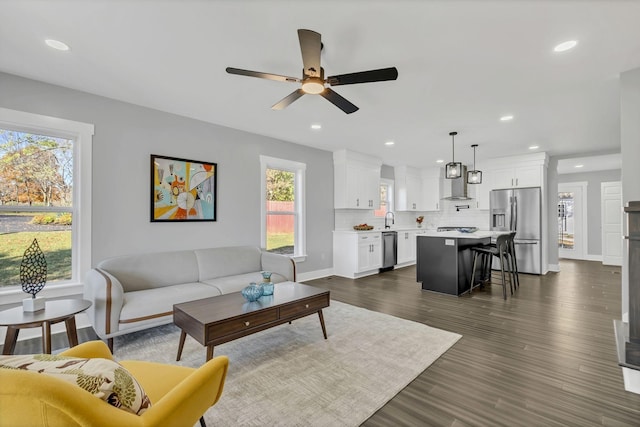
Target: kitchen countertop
point(480, 234)
point(381, 229)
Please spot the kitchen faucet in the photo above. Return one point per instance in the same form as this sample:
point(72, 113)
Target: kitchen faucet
point(393, 219)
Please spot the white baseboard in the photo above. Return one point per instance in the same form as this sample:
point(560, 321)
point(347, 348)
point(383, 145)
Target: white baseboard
point(311, 275)
point(590, 257)
point(554, 267)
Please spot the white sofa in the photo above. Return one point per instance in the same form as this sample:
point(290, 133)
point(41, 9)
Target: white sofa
point(131, 293)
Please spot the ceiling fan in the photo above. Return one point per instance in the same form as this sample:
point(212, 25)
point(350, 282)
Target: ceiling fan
point(313, 81)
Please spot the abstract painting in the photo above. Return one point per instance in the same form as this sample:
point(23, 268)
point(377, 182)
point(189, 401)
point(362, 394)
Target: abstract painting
point(182, 190)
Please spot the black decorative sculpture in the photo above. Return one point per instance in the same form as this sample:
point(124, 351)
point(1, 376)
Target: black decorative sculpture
point(33, 270)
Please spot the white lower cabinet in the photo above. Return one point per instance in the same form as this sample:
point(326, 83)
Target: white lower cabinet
point(356, 254)
point(407, 252)
point(406, 247)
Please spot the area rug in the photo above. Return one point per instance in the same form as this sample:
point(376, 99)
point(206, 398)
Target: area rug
point(290, 376)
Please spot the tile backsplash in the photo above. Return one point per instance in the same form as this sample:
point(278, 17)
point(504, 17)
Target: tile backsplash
point(345, 219)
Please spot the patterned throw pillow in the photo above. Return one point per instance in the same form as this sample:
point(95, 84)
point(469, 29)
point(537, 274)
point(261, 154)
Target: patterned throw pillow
point(103, 378)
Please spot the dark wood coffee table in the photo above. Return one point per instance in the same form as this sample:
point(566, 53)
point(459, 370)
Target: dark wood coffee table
point(216, 320)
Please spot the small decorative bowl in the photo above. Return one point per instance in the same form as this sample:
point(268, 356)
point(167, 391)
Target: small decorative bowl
point(252, 292)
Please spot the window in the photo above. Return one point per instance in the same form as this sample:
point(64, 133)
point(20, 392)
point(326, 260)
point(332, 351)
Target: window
point(43, 162)
point(283, 221)
point(386, 198)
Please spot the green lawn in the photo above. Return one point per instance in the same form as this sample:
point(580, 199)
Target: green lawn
point(280, 242)
point(56, 246)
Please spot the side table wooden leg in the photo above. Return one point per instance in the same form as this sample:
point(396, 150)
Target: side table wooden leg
point(183, 335)
point(46, 337)
point(72, 332)
point(10, 340)
point(324, 330)
point(209, 352)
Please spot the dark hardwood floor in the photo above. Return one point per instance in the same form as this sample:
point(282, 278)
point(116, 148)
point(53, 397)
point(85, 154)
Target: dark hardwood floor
point(544, 357)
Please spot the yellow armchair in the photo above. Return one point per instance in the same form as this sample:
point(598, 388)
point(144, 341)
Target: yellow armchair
point(179, 395)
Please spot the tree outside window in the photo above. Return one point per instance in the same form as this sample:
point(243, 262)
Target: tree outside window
point(283, 227)
point(281, 215)
point(36, 201)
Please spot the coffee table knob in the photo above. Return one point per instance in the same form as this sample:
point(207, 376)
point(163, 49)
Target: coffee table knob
point(247, 323)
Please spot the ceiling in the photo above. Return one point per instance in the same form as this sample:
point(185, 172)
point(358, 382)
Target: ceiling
point(462, 65)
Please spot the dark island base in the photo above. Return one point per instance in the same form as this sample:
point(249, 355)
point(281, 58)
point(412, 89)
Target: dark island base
point(444, 264)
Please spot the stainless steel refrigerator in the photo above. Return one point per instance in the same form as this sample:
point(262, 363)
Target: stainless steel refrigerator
point(520, 210)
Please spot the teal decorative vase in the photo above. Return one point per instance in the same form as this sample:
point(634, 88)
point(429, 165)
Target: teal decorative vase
point(252, 292)
point(267, 284)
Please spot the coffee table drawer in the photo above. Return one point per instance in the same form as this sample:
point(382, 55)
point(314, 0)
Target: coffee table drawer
point(310, 305)
point(241, 323)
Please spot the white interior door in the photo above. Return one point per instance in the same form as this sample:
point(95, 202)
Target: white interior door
point(572, 221)
point(612, 243)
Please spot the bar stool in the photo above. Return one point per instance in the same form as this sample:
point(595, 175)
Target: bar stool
point(504, 250)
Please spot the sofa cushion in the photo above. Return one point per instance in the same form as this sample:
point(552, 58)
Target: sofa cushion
point(104, 378)
point(229, 261)
point(154, 270)
point(229, 284)
point(140, 305)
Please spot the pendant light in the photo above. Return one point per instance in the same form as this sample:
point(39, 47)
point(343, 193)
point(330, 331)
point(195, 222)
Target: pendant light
point(453, 169)
point(474, 176)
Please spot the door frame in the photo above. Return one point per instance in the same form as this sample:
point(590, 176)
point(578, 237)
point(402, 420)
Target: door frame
point(568, 187)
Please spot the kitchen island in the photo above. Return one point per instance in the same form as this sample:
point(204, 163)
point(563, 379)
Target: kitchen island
point(444, 260)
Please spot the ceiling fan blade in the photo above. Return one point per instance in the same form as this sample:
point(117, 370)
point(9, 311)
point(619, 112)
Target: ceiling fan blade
point(380, 75)
point(310, 46)
point(339, 101)
point(260, 75)
point(288, 100)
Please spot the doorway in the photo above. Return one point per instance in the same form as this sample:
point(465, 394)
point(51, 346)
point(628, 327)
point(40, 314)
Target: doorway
point(572, 221)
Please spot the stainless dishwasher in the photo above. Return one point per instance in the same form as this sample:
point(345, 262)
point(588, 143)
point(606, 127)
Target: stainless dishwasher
point(389, 249)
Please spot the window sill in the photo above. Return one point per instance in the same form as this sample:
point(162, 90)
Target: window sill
point(16, 295)
point(299, 258)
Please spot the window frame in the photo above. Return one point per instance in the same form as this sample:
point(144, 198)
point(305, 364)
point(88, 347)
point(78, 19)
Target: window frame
point(299, 171)
point(82, 136)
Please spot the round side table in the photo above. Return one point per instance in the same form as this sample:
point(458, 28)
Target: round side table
point(55, 311)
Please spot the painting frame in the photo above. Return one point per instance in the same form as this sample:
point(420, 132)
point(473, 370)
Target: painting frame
point(183, 190)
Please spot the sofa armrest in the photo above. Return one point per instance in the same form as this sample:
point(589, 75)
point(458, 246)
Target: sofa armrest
point(90, 350)
point(280, 264)
point(107, 296)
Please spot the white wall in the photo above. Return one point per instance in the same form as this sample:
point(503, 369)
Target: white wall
point(630, 149)
point(594, 211)
point(125, 137)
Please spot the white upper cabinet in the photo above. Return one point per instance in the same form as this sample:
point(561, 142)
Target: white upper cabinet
point(356, 180)
point(431, 189)
point(408, 189)
point(517, 177)
point(483, 190)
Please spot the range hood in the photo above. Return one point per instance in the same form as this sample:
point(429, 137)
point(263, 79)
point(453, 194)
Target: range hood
point(456, 189)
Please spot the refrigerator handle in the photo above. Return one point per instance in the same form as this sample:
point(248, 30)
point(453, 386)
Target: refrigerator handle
point(515, 213)
point(510, 213)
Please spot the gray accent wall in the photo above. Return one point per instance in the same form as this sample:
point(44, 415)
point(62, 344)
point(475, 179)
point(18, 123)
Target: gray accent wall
point(593, 214)
point(125, 137)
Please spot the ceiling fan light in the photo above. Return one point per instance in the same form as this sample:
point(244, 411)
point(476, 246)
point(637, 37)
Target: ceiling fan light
point(313, 86)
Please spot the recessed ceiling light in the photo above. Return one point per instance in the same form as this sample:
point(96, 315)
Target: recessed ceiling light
point(439, 161)
point(506, 118)
point(316, 126)
point(565, 46)
point(578, 166)
point(56, 44)
point(389, 143)
point(534, 147)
